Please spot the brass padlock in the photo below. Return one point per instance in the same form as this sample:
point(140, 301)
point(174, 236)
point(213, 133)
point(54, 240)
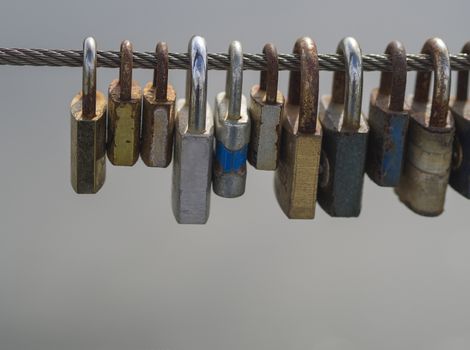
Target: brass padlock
point(460, 108)
point(345, 132)
point(266, 108)
point(124, 113)
point(388, 122)
point(428, 157)
point(88, 128)
point(158, 119)
point(295, 181)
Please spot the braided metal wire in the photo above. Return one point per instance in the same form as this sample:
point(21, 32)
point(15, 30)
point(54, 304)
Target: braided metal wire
point(216, 61)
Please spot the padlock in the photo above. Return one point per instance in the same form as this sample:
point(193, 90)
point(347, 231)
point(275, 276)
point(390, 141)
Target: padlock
point(345, 132)
point(295, 180)
point(430, 136)
point(124, 113)
point(266, 108)
point(158, 119)
point(232, 131)
point(88, 128)
point(194, 143)
point(388, 122)
point(460, 108)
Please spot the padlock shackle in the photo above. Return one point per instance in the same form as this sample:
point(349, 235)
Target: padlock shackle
point(303, 85)
point(269, 78)
point(196, 85)
point(89, 78)
point(462, 78)
point(160, 73)
point(439, 53)
point(393, 83)
point(347, 85)
point(125, 71)
point(234, 80)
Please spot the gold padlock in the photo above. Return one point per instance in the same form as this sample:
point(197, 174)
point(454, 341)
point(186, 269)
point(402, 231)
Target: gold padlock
point(88, 128)
point(124, 113)
point(295, 180)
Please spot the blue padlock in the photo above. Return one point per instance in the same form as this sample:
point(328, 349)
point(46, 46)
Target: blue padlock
point(388, 122)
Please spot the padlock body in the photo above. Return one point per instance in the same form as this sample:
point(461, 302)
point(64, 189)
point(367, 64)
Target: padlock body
point(263, 150)
point(232, 139)
point(340, 190)
point(386, 144)
point(124, 119)
point(426, 170)
point(192, 169)
point(296, 178)
point(460, 173)
point(158, 121)
point(88, 146)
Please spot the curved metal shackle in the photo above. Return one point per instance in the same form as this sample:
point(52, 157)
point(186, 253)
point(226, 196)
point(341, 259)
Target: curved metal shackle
point(394, 83)
point(196, 84)
point(462, 78)
point(303, 85)
point(347, 85)
point(439, 53)
point(234, 81)
point(89, 78)
point(125, 70)
point(160, 73)
point(269, 78)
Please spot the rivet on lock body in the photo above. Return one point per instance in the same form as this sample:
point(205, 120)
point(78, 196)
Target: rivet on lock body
point(295, 181)
point(232, 131)
point(88, 129)
point(345, 133)
point(194, 143)
point(460, 108)
point(388, 122)
point(266, 108)
point(124, 113)
point(158, 118)
point(430, 136)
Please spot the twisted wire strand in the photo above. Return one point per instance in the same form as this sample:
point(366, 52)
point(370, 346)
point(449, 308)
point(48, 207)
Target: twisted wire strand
point(216, 61)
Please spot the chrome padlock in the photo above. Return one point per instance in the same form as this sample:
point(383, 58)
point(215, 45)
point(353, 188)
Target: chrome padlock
point(158, 117)
point(88, 128)
point(460, 108)
point(345, 133)
point(266, 108)
point(194, 143)
point(295, 181)
point(428, 157)
point(232, 130)
point(124, 113)
point(388, 122)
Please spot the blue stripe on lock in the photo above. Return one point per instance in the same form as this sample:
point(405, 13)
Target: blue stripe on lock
point(230, 161)
point(393, 156)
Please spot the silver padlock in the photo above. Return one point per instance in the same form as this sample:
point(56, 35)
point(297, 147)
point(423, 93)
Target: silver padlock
point(194, 142)
point(232, 130)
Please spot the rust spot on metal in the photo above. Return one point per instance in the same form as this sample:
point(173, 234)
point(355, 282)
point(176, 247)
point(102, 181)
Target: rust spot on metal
point(394, 83)
point(160, 74)
point(269, 77)
point(125, 71)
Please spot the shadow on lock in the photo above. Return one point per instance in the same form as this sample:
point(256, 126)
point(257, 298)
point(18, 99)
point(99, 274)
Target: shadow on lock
point(345, 132)
point(428, 156)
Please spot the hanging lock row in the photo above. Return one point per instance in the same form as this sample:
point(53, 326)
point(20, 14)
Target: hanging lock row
point(410, 144)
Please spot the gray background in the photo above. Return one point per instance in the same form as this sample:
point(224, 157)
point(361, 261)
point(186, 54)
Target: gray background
point(114, 270)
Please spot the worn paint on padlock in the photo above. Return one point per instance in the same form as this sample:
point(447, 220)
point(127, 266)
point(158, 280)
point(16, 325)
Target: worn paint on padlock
point(88, 129)
point(423, 183)
point(345, 134)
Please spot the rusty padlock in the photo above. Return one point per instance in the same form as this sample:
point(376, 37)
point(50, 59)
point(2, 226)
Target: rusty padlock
point(460, 108)
point(345, 132)
point(266, 108)
point(124, 113)
point(88, 128)
point(388, 122)
point(158, 118)
point(295, 181)
point(428, 157)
